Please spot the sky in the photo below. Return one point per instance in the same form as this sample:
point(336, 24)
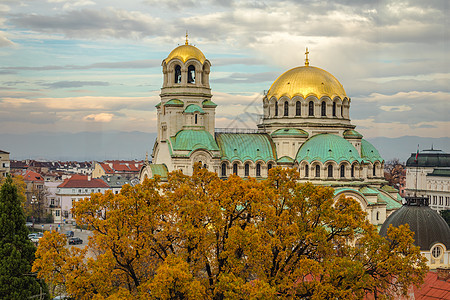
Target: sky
point(85, 65)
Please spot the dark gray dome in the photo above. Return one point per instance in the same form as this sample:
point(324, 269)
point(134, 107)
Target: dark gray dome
point(428, 226)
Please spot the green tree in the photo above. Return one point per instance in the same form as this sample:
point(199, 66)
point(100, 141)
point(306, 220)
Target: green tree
point(16, 250)
point(446, 215)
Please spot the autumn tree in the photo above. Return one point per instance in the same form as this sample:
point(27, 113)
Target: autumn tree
point(394, 171)
point(200, 237)
point(16, 250)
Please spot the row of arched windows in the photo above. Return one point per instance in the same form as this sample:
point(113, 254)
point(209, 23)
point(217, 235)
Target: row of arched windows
point(330, 171)
point(191, 74)
point(311, 109)
point(235, 169)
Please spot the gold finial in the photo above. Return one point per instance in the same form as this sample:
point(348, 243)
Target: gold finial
point(306, 59)
point(186, 38)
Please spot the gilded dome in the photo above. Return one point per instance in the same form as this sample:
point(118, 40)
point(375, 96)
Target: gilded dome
point(186, 52)
point(305, 81)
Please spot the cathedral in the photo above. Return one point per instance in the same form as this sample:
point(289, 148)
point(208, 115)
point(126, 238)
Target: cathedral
point(305, 126)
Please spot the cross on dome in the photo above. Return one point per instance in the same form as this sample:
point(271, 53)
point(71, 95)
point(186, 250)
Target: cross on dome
point(306, 59)
point(186, 38)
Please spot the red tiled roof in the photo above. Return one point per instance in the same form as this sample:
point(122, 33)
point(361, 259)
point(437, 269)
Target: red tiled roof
point(107, 168)
point(433, 288)
point(32, 176)
point(81, 181)
point(120, 167)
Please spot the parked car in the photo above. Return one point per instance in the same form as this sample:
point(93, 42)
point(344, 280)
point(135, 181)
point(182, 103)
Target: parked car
point(29, 224)
point(69, 233)
point(36, 237)
point(75, 241)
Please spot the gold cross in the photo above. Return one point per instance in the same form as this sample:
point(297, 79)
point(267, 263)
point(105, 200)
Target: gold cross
point(307, 59)
point(186, 38)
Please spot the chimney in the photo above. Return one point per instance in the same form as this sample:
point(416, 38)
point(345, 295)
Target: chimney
point(443, 273)
point(89, 177)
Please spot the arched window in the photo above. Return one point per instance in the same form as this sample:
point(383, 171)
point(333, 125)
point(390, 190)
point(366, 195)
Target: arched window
point(196, 118)
point(235, 168)
point(342, 171)
point(374, 170)
point(177, 74)
point(317, 171)
point(258, 170)
point(334, 109)
point(191, 74)
point(324, 109)
point(342, 110)
point(311, 108)
point(330, 170)
point(224, 169)
point(298, 108)
point(306, 171)
point(276, 108)
point(378, 215)
point(269, 166)
point(353, 171)
point(286, 108)
point(247, 170)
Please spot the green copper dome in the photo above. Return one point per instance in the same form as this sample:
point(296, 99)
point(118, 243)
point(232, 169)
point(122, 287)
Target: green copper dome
point(174, 102)
point(369, 152)
point(289, 132)
point(327, 147)
point(246, 146)
point(192, 140)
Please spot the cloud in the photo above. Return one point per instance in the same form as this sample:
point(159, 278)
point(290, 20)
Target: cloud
point(74, 84)
point(102, 117)
point(4, 41)
point(398, 108)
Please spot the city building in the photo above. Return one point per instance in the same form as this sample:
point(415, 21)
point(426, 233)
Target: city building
point(4, 163)
point(126, 169)
point(75, 188)
point(428, 175)
point(305, 126)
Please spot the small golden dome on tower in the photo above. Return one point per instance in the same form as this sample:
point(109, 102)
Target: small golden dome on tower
point(186, 52)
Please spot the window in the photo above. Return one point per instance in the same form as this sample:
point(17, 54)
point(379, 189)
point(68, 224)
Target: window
point(276, 109)
point(235, 168)
point(374, 170)
point(224, 169)
point(342, 110)
point(342, 171)
point(378, 215)
point(66, 213)
point(57, 212)
point(334, 109)
point(286, 108)
point(330, 170)
point(258, 170)
point(191, 74)
point(353, 171)
point(196, 119)
point(324, 109)
point(441, 200)
point(177, 74)
point(269, 166)
point(306, 171)
point(446, 201)
point(298, 108)
point(436, 252)
point(311, 108)
point(247, 170)
point(317, 171)
point(434, 200)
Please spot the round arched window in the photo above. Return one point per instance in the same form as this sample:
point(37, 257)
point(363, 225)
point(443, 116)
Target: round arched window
point(437, 251)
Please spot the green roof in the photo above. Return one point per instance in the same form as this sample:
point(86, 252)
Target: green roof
point(285, 159)
point(174, 102)
point(352, 134)
point(246, 146)
point(327, 147)
point(159, 169)
point(429, 158)
point(390, 203)
point(368, 191)
point(192, 140)
point(192, 108)
point(369, 152)
point(158, 105)
point(389, 189)
point(290, 131)
point(346, 189)
point(440, 172)
point(208, 103)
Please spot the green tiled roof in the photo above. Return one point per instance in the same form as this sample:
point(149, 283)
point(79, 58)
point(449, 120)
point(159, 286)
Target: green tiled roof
point(246, 146)
point(192, 108)
point(440, 172)
point(390, 203)
point(369, 152)
point(325, 147)
point(192, 140)
point(159, 169)
point(290, 131)
point(285, 159)
point(208, 103)
point(174, 102)
point(368, 191)
point(389, 189)
point(352, 134)
point(346, 189)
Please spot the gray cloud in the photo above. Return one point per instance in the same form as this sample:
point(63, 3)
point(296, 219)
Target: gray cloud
point(248, 78)
point(74, 84)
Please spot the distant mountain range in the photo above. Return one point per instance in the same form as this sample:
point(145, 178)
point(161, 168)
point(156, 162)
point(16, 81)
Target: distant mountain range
point(88, 146)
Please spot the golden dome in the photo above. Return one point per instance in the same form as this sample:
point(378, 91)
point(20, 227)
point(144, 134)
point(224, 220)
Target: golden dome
point(305, 81)
point(186, 52)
